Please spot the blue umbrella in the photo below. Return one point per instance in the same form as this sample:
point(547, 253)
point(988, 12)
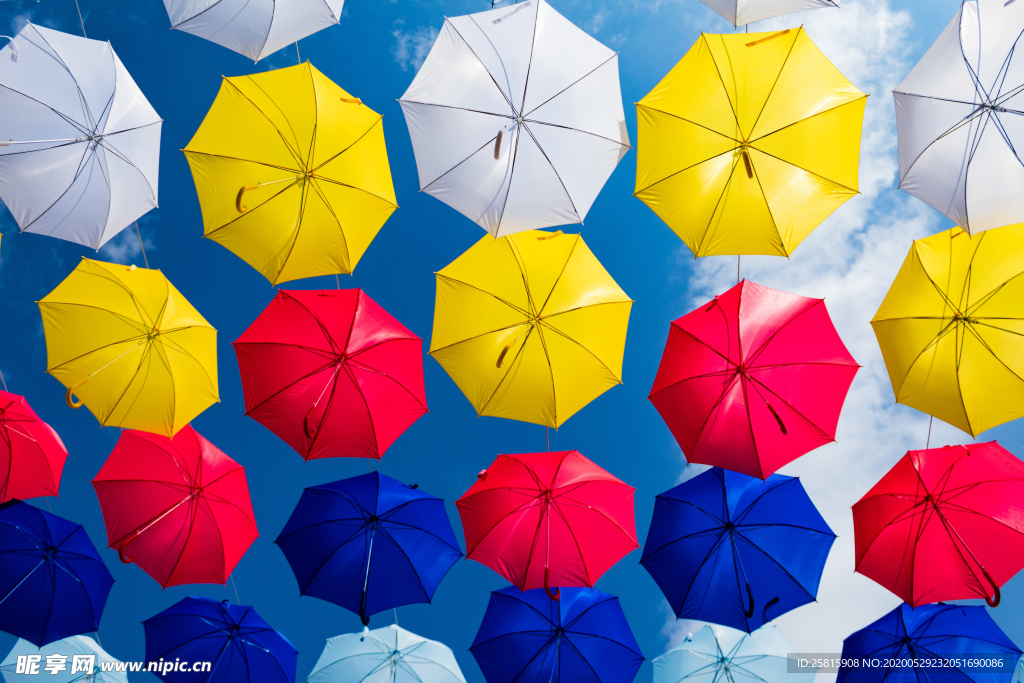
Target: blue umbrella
point(941, 633)
point(581, 638)
point(735, 550)
point(239, 646)
point(369, 543)
point(53, 583)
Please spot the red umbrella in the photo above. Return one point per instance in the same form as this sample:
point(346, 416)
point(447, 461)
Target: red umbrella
point(331, 373)
point(548, 519)
point(753, 380)
point(31, 454)
point(944, 524)
point(177, 507)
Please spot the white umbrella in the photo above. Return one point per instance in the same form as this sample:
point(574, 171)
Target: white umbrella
point(740, 12)
point(516, 118)
point(69, 648)
point(254, 28)
point(385, 655)
point(960, 118)
point(79, 143)
point(725, 654)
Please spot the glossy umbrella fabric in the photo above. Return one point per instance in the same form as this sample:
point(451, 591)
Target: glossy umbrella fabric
point(67, 647)
point(331, 373)
point(724, 654)
point(740, 12)
point(177, 507)
point(749, 143)
point(736, 551)
point(32, 455)
point(753, 379)
point(385, 655)
point(52, 580)
point(79, 142)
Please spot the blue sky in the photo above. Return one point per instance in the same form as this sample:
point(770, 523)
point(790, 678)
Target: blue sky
point(374, 52)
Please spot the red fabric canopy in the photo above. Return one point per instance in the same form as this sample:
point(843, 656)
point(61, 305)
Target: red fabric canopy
point(31, 454)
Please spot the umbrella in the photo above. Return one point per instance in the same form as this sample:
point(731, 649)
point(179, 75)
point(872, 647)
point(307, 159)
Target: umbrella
point(949, 328)
point(292, 173)
point(956, 116)
point(82, 658)
point(130, 346)
point(582, 638)
point(177, 507)
point(331, 373)
point(944, 524)
point(536, 348)
point(741, 12)
point(253, 28)
point(714, 655)
point(548, 519)
point(753, 380)
point(749, 143)
point(79, 142)
point(237, 643)
point(31, 454)
point(735, 550)
point(53, 583)
point(385, 655)
point(516, 118)
point(369, 543)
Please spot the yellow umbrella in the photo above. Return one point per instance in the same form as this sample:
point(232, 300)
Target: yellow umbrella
point(951, 328)
point(749, 143)
point(132, 348)
point(292, 173)
point(531, 327)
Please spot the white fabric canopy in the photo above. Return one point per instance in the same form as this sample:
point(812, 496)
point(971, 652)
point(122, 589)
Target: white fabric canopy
point(385, 655)
point(68, 647)
point(516, 118)
point(740, 12)
point(725, 654)
point(79, 142)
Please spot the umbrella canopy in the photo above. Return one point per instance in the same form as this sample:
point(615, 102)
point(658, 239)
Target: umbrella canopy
point(740, 12)
point(292, 173)
point(31, 454)
point(735, 550)
point(71, 648)
point(385, 655)
point(52, 580)
point(79, 142)
point(239, 645)
point(331, 373)
point(516, 118)
point(944, 524)
point(949, 328)
point(749, 143)
point(132, 348)
point(369, 543)
point(177, 507)
point(753, 379)
point(582, 638)
point(531, 327)
point(548, 519)
point(724, 654)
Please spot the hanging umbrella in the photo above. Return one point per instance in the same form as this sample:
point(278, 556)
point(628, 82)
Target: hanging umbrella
point(331, 373)
point(177, 507)
point(583, 637)
point(79, 142)
point(737, 551)
point(385, 655)
point(52, 580)
point(753, 380)
point(949, 328)
point(725, 654)
point(31, 454)
point(77, 650)
point(740, 12)
point(292, 173)
point(548, 519)
point(749, 143)
point(130, 346)
point(369, 543)
point(535, 348)
point(237, 643)
point(516, 118)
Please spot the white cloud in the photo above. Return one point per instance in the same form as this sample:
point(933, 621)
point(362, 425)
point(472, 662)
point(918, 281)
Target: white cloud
point(125, 247)
point(411, 47)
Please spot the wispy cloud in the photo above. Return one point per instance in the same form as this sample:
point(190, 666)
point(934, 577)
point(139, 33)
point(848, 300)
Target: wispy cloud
point(411, 47)
point(125, 247)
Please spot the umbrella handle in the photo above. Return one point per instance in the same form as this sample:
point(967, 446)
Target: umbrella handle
point(310, 433)
point(14, 48)
point(746, 163)
point(557, 595)
point(501, 356)
point(750, 594)
point(69, 395)
point(362, 610)
point(238, 197)
point(351, 100)
point(711, 305)
point(120, 548)
point(550, 236)
point(782, 425)
point(993, 601)
point(497, 146)
point(764, 612)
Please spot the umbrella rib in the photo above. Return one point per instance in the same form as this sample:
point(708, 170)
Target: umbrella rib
point(778, 564)
point(286, 387)
point(293, 150)
point(511, 177)
point(577, 130)
point(965, 121)
point(366, 404)
point(412, 565)
point(602, 513)
point(725, 89)
point(562, 91)
point(484, 66)
point(351, 187)
point(328, 337)
point(295, 239)
point(185, 21)
point(67, 119)
point(323, 197)
point(477, 336)
point(553, 169)
point(511, 365)
point(754, 382)
point(78, 174)
point(295, 182)
point(547, 299)
point(808, 118)
point(381, 373)
point(379, 120)
point(428, 532)
point(778, 77)
point(248, 161)
point(721, 199)
point(563, 334)
point(486, 144)
point(524, 507)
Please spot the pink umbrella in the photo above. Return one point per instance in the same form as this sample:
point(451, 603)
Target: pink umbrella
point(31, 454)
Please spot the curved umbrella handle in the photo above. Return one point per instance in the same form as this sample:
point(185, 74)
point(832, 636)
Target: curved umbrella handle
point(782, 425)
point(497, 146)
point(557, 595)
point(712, 304)
point(764, 612)
point(362, 610)
point(69, 395)
point(120, 548)
point(993, 601)
point(746, 163)
point(14, 48)
point(750, 594)
point(238, 197)
point(310, 433)
point(504, 351)
point(550, 236)
point(351, 100)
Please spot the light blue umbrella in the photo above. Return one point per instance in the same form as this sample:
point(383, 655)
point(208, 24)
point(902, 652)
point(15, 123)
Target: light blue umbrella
point(725, 655)
point(385, 655)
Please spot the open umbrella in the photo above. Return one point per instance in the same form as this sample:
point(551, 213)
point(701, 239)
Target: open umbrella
point(369, 543)
point(749, 143)
point(53, 583)
point(385, 655)
point(582, 638)
point(331, 373)
point(740, 12)
point(724, 654)
point(130, 346)
point(177, 507)
point(753, 380)
point(31, 454)
point(735, 550)
point(79, 142)
point(516, 118)
point(531, 327)
point(82, 663)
